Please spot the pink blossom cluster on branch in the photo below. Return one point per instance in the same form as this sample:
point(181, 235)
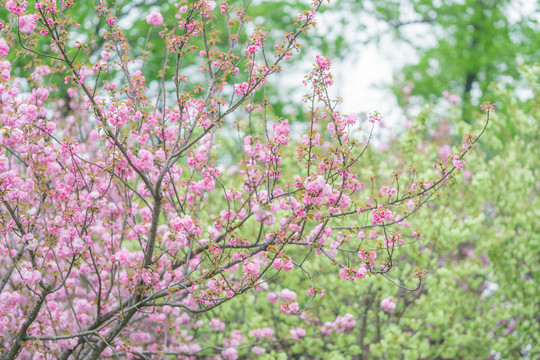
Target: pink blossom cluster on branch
point(120, 223)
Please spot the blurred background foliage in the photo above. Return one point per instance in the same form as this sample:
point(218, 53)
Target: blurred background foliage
point(462, 45)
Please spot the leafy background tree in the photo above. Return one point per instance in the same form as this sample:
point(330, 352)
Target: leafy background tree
point(475, 42)
point(462, 45)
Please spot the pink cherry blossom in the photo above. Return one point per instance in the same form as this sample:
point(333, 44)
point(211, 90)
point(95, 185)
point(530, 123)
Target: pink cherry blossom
point(217, 324)
point(444, 151)
point(272, 297)
point(266, 332)
point(297, 333)
point(4, 48)
point(252, 269)
point(387, 191)
point(458, 163)
point(154, 18)
point(30, 276)
point(488, 105)
point(291, 308)
point(8, 301)
point(323, 63)
point(375, 117)
point(257, 350)
point(230, 354)
point(288, 295)
point(27, 23)
point(389, 304)
point(16, 7)
point(282, 132)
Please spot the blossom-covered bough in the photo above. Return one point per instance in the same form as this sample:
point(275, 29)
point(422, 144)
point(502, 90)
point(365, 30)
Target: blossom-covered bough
point(122, 218)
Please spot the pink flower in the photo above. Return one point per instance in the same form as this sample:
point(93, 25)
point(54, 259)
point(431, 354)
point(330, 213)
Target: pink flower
point(217, 324)
point(487, 105)
point(285, 264)
point(30, 276)
point(241, 89)
point(155, 19)
point(342, 323)
point(323, 62)
point(380, 215)
point(392, 239)
point(272, 297)
point(387, 191)
point(105, 56)
point(4, 48)
point(458, 163)
point(346, 274)
point(290, 308)
point(375, 116)
point(293, 334)
point(362, 271)
point(210, 5)
point(444, 151)
point(327, 328)
point(407, 89)
point(297, 333)
point(313, 187)
point(230, 354)
point(27, 23)
point(8, 301)
point(144, 160)
point(258, 350)
point(174, 242)
point(31, 241)
point(282, 132)
point(266, 332)
point(389, 304)
point(237, 336)
point(251, 269)
point(15, 7)
point(288, 295)
point(6, 75)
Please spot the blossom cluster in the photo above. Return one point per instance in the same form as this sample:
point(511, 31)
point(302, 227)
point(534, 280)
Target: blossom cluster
point(123, 213)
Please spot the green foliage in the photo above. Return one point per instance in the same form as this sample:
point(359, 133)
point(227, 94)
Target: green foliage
point(462, 45)
point(477, 42)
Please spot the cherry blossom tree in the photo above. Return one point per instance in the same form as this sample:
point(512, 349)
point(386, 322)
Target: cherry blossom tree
point(121, 216)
